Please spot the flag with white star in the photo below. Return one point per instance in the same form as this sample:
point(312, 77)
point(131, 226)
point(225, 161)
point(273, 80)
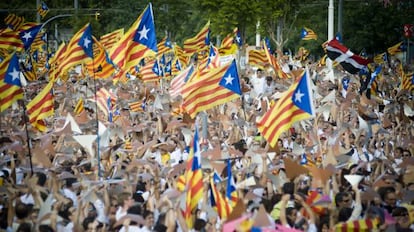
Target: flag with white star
point(28, 36)
point(86, 41)
point(238, 37)
point(13, 72)
point(145, 33)
point(231, 80)
point(302, 96)
point(294, 105)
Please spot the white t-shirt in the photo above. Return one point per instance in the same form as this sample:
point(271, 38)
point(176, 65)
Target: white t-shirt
point(120, 213)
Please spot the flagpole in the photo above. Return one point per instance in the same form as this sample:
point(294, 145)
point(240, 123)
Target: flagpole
point(28, 140)
point(97, 120)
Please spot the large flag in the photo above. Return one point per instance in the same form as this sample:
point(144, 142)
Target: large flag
point(110, 39)
point(138, 42)
point(212, 88)
point(294, 105)
point(10, 39)
point(10, 86)
point(42, 9)
point(194, 178)
point(218, 202)
point(198, 42)
point(178, 82)
point(349, 61)
point(308, 34)
point(41, 107)
point(78, 50)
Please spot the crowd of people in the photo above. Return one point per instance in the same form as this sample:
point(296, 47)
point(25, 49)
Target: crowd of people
point(350, 168)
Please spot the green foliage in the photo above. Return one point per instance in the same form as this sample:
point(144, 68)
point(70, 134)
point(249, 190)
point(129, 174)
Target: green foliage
point(367, 24)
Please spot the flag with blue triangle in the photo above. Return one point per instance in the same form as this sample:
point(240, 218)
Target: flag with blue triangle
point(12, 76)
point(29, 35)
point(231, 80)
point(86, 41)
point(145, 34)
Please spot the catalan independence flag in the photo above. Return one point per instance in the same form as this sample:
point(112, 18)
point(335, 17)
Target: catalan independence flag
point(42, 9)
point(198, 42)
point(194, 180)
point(212, 88)
point(101, 66)
point(308, 34)
point(397, 48)
point(13, 21)
point(138, 42)
point(41, 107)
point(231, 192)
point(164, 46)
point(218, 201)
point(295, 104)
point(78, 50)
point(9, 92)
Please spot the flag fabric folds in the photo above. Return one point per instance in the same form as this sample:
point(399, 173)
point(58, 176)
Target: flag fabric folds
point(349, 61)
point(164, 46)
point(151, 71)
point(41, 107)
point(102, 97)
point(294, 105)
point(42, 9)
point(257, 58)
point(210, 89)
point(308, 34)
point(194, 180)
point(9, 93)
point(198, 42)
point(274, 63)
point(13, 21)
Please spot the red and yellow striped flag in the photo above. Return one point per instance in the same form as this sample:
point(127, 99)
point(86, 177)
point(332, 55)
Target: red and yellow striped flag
point(204, 92)
point(358, 225)
point(136, 106)
point(198, 42)
point(13, 21)
point(164, 46)
point(74, 54)
point(41, 107)
point(8, 93)
point(219, 202)
point(294, 105)
point(110, 39)
point(194, 180)
point(100, 67)
point(275, 64)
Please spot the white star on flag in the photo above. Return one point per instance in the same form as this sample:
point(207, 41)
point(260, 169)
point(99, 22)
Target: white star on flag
point(86, 42)
point(143, 33)
point(29, 67)
point(298, 96)
point(27, 36)
point(14, 74)
point(229, 80)
point(238, 39)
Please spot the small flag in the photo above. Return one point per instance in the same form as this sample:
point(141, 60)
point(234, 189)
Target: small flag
point(79, 107)
point(42, 9)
